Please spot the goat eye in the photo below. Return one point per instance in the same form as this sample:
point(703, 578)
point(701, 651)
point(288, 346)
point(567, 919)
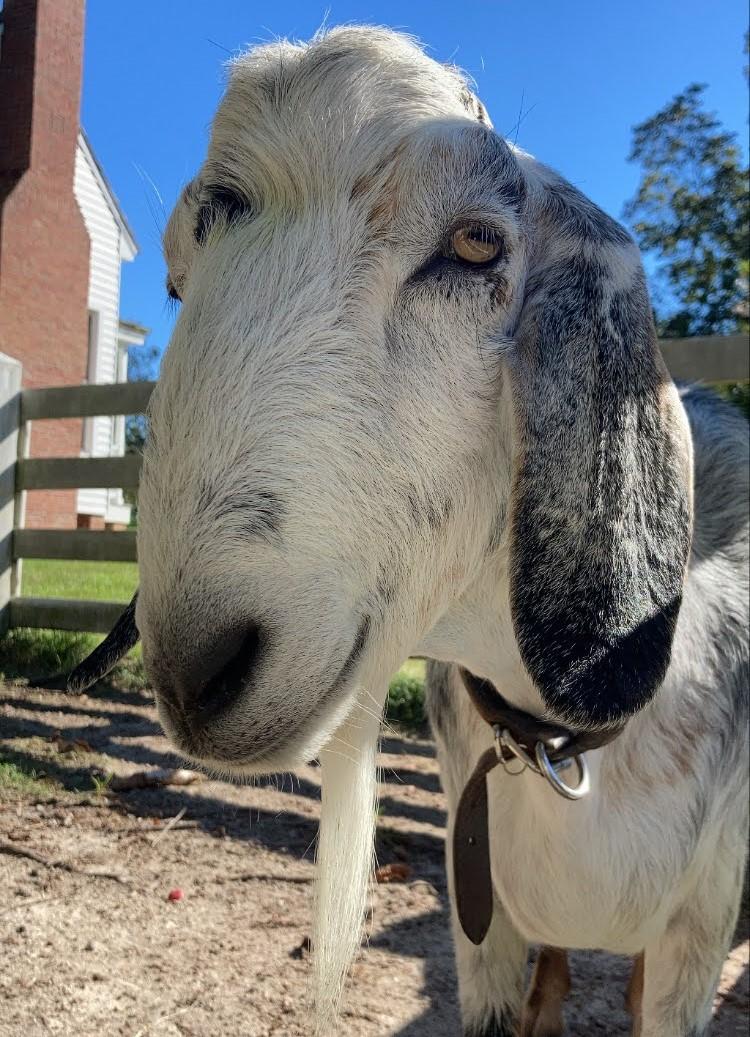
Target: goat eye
point(219, 203)
point(476, 244)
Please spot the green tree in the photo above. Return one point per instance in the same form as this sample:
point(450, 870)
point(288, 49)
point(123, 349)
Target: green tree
point(143, 365)
point(691, 211)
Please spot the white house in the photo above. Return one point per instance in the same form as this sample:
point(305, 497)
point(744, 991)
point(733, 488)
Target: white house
point(112, 243)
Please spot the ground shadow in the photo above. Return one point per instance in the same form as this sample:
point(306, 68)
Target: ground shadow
point(103, 690)
point(118, 734)
point(407, 776)
point(394, 744)
point(416, 937)
point(120, 737)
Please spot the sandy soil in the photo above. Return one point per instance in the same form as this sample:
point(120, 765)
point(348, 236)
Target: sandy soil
point(90, 956)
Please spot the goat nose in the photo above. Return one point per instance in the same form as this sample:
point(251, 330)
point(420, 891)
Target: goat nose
point(221, 677)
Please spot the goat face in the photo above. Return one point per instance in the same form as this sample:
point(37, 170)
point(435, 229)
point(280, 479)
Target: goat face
point(406, 352)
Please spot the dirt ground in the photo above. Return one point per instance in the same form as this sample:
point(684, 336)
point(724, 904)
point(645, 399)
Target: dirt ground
point(91, 956)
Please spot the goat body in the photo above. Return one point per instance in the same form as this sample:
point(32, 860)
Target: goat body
point(414, 403)
point(653, 859)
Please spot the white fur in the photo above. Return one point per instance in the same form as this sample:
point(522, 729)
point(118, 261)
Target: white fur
point(380, 419)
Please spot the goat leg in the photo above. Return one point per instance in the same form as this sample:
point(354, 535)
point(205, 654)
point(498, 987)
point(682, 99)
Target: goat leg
point(550, 984)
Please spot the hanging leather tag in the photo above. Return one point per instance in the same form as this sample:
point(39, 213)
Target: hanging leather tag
point(472, 878)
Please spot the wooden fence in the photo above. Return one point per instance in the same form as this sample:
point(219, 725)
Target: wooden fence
point(21, 473)
point(710, 359)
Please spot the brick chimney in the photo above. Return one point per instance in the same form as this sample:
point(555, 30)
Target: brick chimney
point(44, 245)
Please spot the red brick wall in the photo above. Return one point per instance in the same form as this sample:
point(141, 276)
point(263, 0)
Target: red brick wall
point(44, 245)
point(91, 522)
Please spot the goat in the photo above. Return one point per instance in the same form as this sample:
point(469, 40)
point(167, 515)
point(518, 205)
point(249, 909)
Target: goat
point(414, 404)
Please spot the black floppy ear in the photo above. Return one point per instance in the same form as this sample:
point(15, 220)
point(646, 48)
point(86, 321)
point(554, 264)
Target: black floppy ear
point(602, 491)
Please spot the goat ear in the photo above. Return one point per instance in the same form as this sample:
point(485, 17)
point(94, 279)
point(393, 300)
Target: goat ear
point(602, 491)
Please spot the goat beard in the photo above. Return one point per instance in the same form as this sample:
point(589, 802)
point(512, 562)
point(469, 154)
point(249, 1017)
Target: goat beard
point(347, 823)
point(345, 855)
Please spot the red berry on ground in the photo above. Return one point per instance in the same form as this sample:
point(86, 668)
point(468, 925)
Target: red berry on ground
point(175, 894)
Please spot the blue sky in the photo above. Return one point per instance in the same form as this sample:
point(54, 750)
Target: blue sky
point(580, 73)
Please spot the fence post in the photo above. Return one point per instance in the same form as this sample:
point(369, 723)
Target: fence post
point(10, 416)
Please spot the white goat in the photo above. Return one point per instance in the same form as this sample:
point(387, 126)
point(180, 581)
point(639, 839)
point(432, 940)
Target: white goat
point(414, 403)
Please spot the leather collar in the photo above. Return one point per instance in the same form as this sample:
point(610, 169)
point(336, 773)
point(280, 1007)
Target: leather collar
point(527, 729)
point(472, 878)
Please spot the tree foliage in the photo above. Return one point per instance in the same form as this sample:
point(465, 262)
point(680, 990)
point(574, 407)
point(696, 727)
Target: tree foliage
point(143, 364)
point(691, 210)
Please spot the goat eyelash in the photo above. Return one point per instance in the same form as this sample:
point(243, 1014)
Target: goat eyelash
point(482, 233)
point(219, 203)
point(445, 260)
point(173, 296)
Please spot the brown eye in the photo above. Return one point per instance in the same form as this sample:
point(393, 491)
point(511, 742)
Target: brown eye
point(478, 245)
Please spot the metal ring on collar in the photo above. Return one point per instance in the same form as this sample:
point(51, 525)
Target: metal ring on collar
point(547, 769)
point(507, 768)
point(507, 739)
point(499, 745)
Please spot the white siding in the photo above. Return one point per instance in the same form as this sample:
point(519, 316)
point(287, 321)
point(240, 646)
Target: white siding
point(100, 436)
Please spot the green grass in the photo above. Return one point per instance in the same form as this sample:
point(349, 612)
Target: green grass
point(737, 393)
point(405, 703)
point(414, 668)
point(98, 581)
point(40, 653)
point(37, 654)
point(27, 781)
point(35, 767)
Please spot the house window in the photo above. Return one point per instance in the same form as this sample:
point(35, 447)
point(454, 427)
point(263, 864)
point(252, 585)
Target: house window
point(118, 422)
point(87, 444)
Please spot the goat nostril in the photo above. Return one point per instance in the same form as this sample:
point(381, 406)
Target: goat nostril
point(220, 691)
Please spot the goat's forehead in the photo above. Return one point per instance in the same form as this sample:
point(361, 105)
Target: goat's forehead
point(344, 101)
point(357, 69)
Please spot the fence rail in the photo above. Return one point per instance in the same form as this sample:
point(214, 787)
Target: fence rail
point(80, 545)
point(97, 617)
point(72, 473)
point(709, 359)
point(85, 401)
